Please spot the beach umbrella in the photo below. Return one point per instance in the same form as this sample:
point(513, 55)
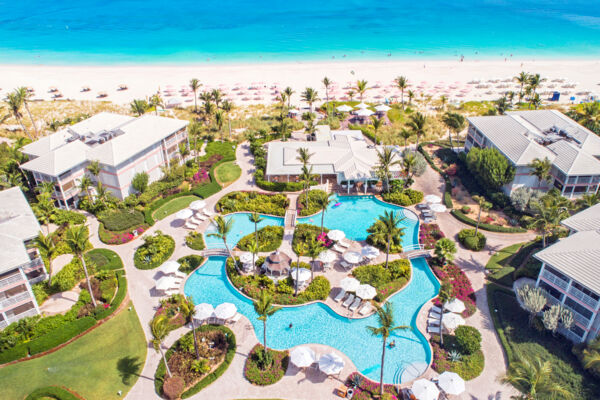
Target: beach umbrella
point(352, 257)
point(369, 251)
point(366, 292)
point(349, 284)
point(336, 235)
point(246, 257)
point(451, 383)
point(362, 106)
point(432, 198)
point(327, 256)
point(364, 113)
point(197, 205)
point(455, 306)
point(382, 108)
point(331, 363)
point(424, 389)
point(344, 108)
point(437, 207)
point(225, 310)
point(452, 321)
point(204, 311)
point(170, 267)
point(166, 282)
point(303, 274)
point(294, 111)
point(302, 356)
point(184, 214)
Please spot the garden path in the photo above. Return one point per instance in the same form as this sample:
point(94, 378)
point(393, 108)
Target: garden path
point(60, 302)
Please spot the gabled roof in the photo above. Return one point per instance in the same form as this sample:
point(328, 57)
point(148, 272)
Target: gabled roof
point(12, 254)
point(573, 161)
point(586, 220)
point(59, 160)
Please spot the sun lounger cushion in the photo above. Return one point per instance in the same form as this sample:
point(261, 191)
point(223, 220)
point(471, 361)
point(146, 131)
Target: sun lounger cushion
point(194, 220)
point(433, 322)
point(190, 225)
point(365, 309)
point(338, 248)
point(339, 296)
point(343, 244)
point(433, 314)
point(345, 264)
point(355, 305)
point(434, 329)
point(436, 309)
point(348, 301)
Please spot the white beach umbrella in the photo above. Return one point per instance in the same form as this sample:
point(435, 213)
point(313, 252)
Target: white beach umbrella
point(184, 214)
point(455, 306)
point(382, 108)
point(303, 274)
point(364, 113)
point(204, 311)
point(225, 310)
point(344, 108)
point(369, 252)
point(432, 198)
point(336, 235)
point(294, 111)
point(349, 284)
point(331, 363)
point(362, 106)
point(327, 256)
point(424, 389)
point(451, 383)
point(302, 356)
point(197, 205)
point(246, 257)
point(366, 292)
point(352, 257)
point(166, 282)
point(170, 267)
point(437, 207)
point(451, 321)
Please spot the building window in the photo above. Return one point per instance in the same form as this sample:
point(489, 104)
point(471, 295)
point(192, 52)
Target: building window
point(577, 330)
point(596, 179)
point(585, 290)
point(551, 290)
point(569, 302)
point(572, 180)
point(557, 273)
point(592, 189)
point(584, 179)
point(580, 189)
point(558, 185)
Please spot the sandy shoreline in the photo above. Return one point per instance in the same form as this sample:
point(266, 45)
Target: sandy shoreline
point(431, 77)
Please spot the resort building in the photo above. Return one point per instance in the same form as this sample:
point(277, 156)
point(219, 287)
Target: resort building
point(20, 264)
point(570, 273)
point(122, 145)
point(522, 136)
point(341, 157)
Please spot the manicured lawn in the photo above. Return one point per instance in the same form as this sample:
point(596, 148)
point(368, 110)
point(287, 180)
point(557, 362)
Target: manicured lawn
point(228, 172)
point(105, 259)
point(504, 264)
point(178, 203)
point(96, 366)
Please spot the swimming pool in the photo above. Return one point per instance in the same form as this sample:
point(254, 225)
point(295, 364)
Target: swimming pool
point(317, 323)
point(241, 227)
point(355, 214)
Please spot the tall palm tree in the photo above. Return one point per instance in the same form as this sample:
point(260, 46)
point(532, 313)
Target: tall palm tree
point(502, 105)
point(84, 185)
point(417, 124)
point(195, 85)
point(256, 219)
point(483, 205)
point(139, 106)
point(94, 168)
point(361, 88)
point(25, 95)
point(324, 201)
point(101, 194)
point(284, 128)
point(188, 309)
point(15, 102)
point(377, 124)
point(45, 187)
point(326, 83)
point(455, 123)
point(217, 96)
point(48, 250)
point(534, 83)
point(253, 248)
point(304, 157)
point(156, 101)
point(386, 158)
point(535, 380)
point(159, 327)
point(313, 249)
point(409, 162)
point(205, 96)
point(300, 249)
point(310, 96)
point(223, 229)
point(405, 134)
point(588, 200)
point(44, 209)
point(77, 240)
point(522, 79)
point(351, 94)
point(401, 83)
point(288, 93)
point(391, 227)
point(536, 101)
point(541, 169)
point(589, 115)
point(219, 121)
point(547, 217)
point(385, 328)
point(209, 109)
point(264, 308)
point(227, 106)
point(306, 177)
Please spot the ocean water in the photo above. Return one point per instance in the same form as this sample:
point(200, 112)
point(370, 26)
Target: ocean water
point(226, 31)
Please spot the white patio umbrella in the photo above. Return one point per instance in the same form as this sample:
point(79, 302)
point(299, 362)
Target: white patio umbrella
point(303, 274)
point(369, 251)
point(169, 267)
point(437, 207)
point(424, 389)
point(432, 198)
point(382, 108)
point(336, 235)
point(246, 257)
point(166, 282)
point(364, 113)
point(349, 284)
point(225, 310)
point(455, 306)
point(294, 111)
point(184, 214)
point(362, 106)
point(451, 383)
point(331, 363)
point(452, 321)
point(204, 311)
point(352, 257)
point(366, 292)
point(302, 356)
point(197, 205)
point(344, 108)
point(327, 256)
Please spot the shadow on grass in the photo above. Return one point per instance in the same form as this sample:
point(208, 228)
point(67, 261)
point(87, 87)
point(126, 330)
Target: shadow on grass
point(129, 367)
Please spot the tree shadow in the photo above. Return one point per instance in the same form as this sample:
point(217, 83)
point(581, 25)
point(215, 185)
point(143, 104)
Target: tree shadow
point(128, 367)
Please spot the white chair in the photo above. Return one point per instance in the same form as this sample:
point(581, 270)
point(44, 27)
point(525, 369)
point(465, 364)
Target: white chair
point(436, 309)
point(434, 329)
point(190, 225)
point(171, 292)
point(348, 301)
point(194, 220)
point(339, 296)
point(433, 322)
point(200, 217)
point(366, 309)
point(341, 243)
point(355, 305)
point(338, 249)
point(433, 314)
point(345, 265)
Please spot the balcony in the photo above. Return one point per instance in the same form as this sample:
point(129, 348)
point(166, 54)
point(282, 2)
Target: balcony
point(31, 265)
point(584, 298)
point(11, 280)
point(13, 318)
point(15, 299)
point(550, 277)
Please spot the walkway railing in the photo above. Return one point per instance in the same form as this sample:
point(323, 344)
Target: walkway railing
point(215, 252)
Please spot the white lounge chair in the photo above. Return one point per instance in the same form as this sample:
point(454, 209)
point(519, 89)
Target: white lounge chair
point(200, 217)
point(433, 314)
point(355, 305)
point(190, 225)
point(171, 292)
point(348, 301)
point(366, 309)
point(434, 329)
point(339, 296)
point(194, 220)
point(436, 309)
point(180, 274)
point(345, 265)
point(343, 243)
point(338, 248)
point(433, 322)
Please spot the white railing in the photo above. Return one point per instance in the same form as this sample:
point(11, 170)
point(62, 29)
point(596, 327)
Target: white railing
point(11, 280)
point(570, 335)
point(14, 299)
point(38, 279)
point(578, 294)
point(3, 324)
point(412, 247)
point(29, 313)
point(36, 262)
point(549, 276)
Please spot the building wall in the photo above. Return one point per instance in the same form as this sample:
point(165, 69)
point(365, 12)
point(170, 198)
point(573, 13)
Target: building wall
point(17, 300)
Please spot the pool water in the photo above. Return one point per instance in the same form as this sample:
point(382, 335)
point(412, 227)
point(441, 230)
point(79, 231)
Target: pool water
point(317, 323)
point(355, 214)
point(241, 227)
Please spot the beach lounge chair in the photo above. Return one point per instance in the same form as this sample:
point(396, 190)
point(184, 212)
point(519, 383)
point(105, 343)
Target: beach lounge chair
point(201, 217)
point(345, 265)
point(343, 243)
point(338, 249)
point(190, 225)
point(348, 301)
point(355, 305)
point(194, 220)
point(433, 322)
point(428, 220)
point(366, 309)
point(180, 274)
point(434, 329)
point(339, 296)
point(171, 292)
point(436, 309)
point(433, 314)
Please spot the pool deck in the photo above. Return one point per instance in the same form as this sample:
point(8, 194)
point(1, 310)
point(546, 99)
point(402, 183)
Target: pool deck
point(295, 385)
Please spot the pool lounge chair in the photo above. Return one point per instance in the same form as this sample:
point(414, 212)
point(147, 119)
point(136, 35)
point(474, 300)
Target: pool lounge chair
point(194, 220)
point(434, 329)
point(348, 301)
point(339, 296)
point(345, 265)
point(436, 309)
point(428, 220)
point(433, 314)
point(366, 309)
point(190, 225)
point(433, 322)
point(338, 248)
point(343, 243)
point(355, 305)
point(171, 292)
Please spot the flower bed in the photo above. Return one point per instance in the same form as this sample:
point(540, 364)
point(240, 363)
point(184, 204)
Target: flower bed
point(195, 241)
point(429, 234)
point(110, 237)
point(366, 389)
point(156, 250)
point(461, 285)
point(468, 366)
point(305, 233)
point(269, 375)
point(272, 204)
point(172, 308)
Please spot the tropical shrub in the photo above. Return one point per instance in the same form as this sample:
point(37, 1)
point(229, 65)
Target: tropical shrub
point(468, 339)
point(140, 181)
point(195, 241)
point(366, 389)
point(156, 250)
point(264, 375)
point(312, 208)
point(121, 219)
point(490, 167)
point(272, 204)
point(377, 239)
point(318, 289)
point(386, 281)
point(468, 366)
point(269, 239)
point(126, 236)
point(406, 197)
point(468, 239)
point(305, 233)
point(189, 263)
point(67, 217)
point(429, 234)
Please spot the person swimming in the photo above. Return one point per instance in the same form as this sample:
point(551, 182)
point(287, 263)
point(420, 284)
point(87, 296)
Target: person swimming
point(291, 326)
point(392, 344)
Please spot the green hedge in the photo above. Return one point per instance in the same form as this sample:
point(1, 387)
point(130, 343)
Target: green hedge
point(14, 353)
point(195, 241)
point(406, 197)
point(117, 300)
point(149, 210)
point(468, 239)
point(161, 370)
point(51, 392)
point(121, 219)
point(60, 336)
point(105, 259)
point(486, 227)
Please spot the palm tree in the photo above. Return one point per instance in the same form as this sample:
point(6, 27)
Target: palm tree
point(535, 380)
point(502, 105)
point(588, 200)
point(219, 121)
point(139, 106)
point(253, 248)
point(44, 209)
point(45, 187)
point(159, 327)
point(385, 328)
point(227, 106)
point(288, 93)
point(411, 95)
point(401, 83)
point(209, 110)
point(386, 159)
point(534, 83)
point(324, 201)
point(94, 168)
point(300, 249)
point(256, 219)
point(541, 169)
point(25, 95)
point(351, 94)
point(377, 124)
point(405, 134)
point(195, 85)
point(264, 308)
point(205, 96)
point(310, 96)
point(313, 249)
point(101, 193)
point(84, 184)
point(156, 101)
point(77, 240)
point(284, 128)
point(223, 229)
point(521, 79)
point(188, 309)
point(304, 157)
point(409, 162)
point(326, 83)
point(455, 123)
point(536, 101)
point(417, 125)
point(217, 96)
point(547, 217)
point(445, 249)
point(48, 251)
point(391, 227)
point(361, 88)
point(15, 102)
point(483, 205)
point(306, 177)
point(589, 115)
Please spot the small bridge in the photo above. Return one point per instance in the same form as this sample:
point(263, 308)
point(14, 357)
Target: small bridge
point(215, 252)
point(416, 250)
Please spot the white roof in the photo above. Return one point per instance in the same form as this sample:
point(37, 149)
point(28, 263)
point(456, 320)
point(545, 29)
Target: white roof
point(59, 160)
point(586, 220)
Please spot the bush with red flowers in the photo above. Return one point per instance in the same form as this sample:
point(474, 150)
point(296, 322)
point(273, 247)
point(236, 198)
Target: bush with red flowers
point(429, 234)
point(461, 285)
point(366, 389)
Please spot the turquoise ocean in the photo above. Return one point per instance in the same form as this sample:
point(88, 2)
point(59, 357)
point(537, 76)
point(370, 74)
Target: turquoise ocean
point(247, 31)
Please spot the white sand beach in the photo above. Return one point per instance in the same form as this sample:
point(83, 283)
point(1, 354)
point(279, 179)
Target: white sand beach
point(457, 80)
